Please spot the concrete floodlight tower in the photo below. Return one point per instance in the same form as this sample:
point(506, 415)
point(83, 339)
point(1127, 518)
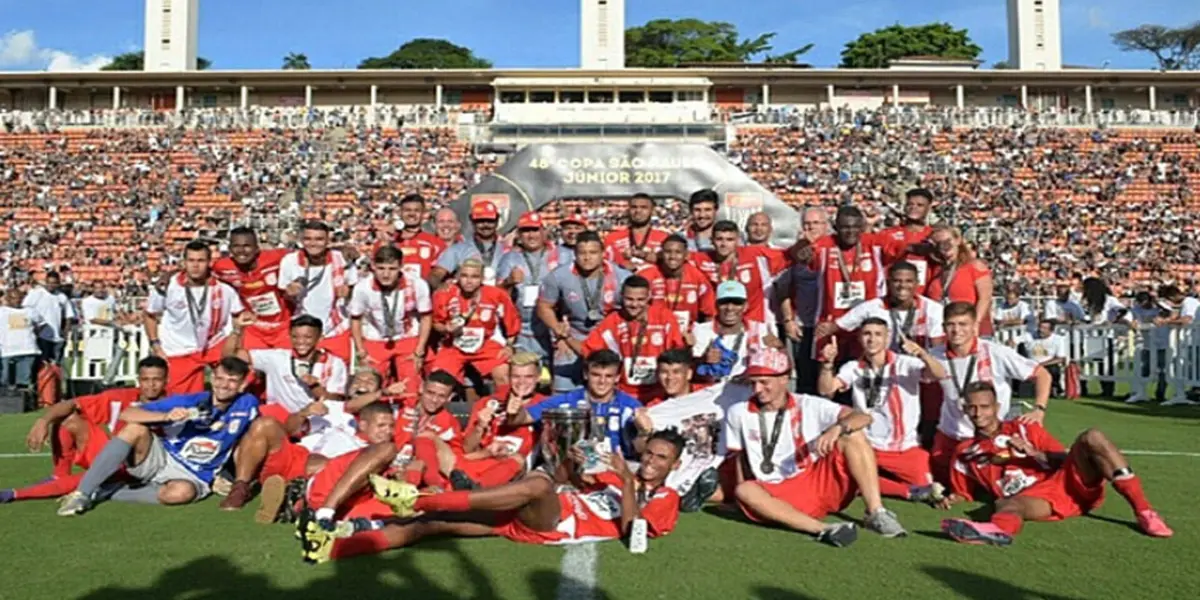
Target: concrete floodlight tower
point(172, 29)
point(1035, 35)
point(602, 34)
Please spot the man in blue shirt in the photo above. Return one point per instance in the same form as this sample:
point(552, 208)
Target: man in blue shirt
point(172, 447)
point(612, 410)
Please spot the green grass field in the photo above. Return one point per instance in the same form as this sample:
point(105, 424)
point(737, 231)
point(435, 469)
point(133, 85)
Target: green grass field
point(124, 552)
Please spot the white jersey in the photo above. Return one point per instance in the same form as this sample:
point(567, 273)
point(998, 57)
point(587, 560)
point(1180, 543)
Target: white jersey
point(318, 297)
point(988, 361)
point(405, 306)
point(891, 395)
point(924, 323)
point(804, 419)
point(753, 335)
point(283, 373)
point(93, 308)
point(193, 319)
point(53, 310)
point(332, 434)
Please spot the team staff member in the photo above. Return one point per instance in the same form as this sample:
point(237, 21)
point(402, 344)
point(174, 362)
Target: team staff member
point(522, 270)
point(679, 286)
point(421, 250)
point(494, 451)
point(254, 273)
point(702, 206)
point(636, 245)
point(188, 321)
point(799, 300)
point(484, 246)
point(318, 282)
point(467, 314)
point(957, 276)
point(638, 333)
point(390, 320)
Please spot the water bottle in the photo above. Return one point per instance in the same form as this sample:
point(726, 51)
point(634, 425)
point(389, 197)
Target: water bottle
point(638, 536)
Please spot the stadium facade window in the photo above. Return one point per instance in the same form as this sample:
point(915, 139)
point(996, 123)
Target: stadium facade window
point(541, 97)
point(208, 101)
point(1108, 103)
point(1010, 100)
point(600, 97)
point(689, 96)
point(1179, 100)
point(570, 96)
point(631, 96)
point(662, 97)
point(512, 96)
point(452, 97)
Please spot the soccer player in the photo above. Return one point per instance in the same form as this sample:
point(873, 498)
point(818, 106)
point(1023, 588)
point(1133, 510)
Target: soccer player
point(494, 450)
point(390, 320)
point(636, 245)
point(702, 206)
point(754, 267)
point(886, 385)
point(638, 332)
point(911, 315)
point(318, 281)
point(188, 320)
point(530, 510)
point(721, 346)
point(822, 463)
point(420, 249)
point(759, 229)
point(78, 429)
point(171, 448)
point(912, 233)
point(484, 246)
point(304, 381)
point(677, 285)
point(254, 273)
point(428, 437)
point(467, 314)
point(522, 270)
point(1032, 477)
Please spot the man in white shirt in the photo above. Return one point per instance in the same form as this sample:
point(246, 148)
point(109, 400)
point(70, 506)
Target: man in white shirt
point(99, 308)
point(910, 315)
point(1062, 310)
point(802, 457)
point(721, 346)
point(390, 319)
point(1015, 313)
point(319, 280)
point(55, 311)
point(188, 320)
point(1049, 350)
point(887, 386)
point(18, 340)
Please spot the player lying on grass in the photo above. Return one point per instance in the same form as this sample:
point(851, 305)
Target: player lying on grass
point(529, 510)
point(171, 449)
point(1032, 477)
point(78, 429)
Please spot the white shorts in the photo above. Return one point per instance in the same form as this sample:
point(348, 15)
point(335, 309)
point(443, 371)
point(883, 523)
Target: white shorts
point(159, 467)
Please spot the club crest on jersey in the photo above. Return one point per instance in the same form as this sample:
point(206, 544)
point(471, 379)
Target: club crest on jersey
point(424, 252)
point(691, 296)
point(865, 264)
point(656, 338)
point(485, 315)
point(745, 277)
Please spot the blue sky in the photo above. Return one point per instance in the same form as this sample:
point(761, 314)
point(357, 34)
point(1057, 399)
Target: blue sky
point(255, 34)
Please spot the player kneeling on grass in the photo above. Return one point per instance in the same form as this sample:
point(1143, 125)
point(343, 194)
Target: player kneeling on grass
point(172, 448)
point(530, 510)
point(78, 430)
point(1032, 477)
point(808, 456)
point(887, 386)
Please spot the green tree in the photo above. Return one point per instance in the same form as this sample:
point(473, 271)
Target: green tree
point(296, 62)
point(1002, 65)
point(1175, 49)
point(877, 49)
point(669, 43)
point(426, 53)
point(136, 61)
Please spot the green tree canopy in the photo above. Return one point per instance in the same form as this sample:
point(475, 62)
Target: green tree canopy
point(426, 53)
point(1002, 65)
point(669, 43)
point(296, 62)
point(136, 61)
point(877, 49)
point(1175, 49)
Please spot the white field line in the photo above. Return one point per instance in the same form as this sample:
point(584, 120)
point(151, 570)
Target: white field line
point(577, 579)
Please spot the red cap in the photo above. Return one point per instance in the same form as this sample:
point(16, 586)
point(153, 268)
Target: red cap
point(530, 220)
point(767, 361)
point(575, 218)
point(484, 211)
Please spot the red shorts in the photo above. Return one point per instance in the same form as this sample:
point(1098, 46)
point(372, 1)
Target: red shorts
point(511, 527)
point(908, 466)
point(257, 337)
point(824, 488)
point(338, 345)
point(1066, 491)
point(727, 475)
point(394, 361)
point(942, 456)
point(185, 373)
point(477, 468)
point(364, 505)
point(289, 461)
point(455, 361)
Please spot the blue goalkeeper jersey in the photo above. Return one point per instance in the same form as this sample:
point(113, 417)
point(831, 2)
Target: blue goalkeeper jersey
point(203, 443)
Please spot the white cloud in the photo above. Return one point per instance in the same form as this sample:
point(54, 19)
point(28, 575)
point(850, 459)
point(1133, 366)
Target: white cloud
point(19, 50)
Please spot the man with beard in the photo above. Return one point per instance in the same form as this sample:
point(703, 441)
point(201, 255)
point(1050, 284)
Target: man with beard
point(758, 229)
point(390, 320)
point(636, 245)
point(754, 267)
point(467, 314)
point(679, 286)
point(254, 273)
point(484, 246)
point(913, 231)
point(721, 346)
point(703, 207)
point(420, 249)
point(522, 270)
point(318, 282)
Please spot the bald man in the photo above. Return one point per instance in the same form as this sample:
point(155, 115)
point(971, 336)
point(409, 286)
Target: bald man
point(447, 226)
point(758, 229)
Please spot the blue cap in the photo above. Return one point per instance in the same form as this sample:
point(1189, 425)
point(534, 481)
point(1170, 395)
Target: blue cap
point(731, 290)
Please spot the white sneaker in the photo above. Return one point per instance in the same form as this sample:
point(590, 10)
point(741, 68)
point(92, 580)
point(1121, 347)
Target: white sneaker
point(1136, 399)
point(1180, 401)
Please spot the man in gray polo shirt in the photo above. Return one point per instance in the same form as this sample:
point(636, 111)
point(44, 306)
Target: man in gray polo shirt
point(573, 299)
point(484, 246)
point(522, 271)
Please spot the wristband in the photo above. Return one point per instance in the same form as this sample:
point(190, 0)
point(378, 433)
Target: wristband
point(155, 343)
point(1039, 407)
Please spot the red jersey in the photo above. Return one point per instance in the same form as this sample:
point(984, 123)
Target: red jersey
point(491, 308)
point(957, 284)
point(321, 484)
point(421, 253)
point(638, 343)
point(622, 239)
point(846, 277)
point(755, 267)
point(898, 240)
point(259, 288)
point(104, 409)
point(990, 464)
point(689, 297)
point(520, 439)
point(410, 423)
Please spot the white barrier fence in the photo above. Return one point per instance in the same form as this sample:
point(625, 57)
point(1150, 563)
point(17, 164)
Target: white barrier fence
point(1109, 354)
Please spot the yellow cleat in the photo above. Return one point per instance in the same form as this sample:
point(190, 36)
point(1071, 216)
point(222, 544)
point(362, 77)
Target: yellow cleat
point(399, 495)
point(315, 542)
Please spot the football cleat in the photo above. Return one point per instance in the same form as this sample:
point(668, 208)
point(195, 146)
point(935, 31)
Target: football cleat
point(73, 504)
point(838, 535)
point(401, 496)
point(971, 532)
point(316, 544)
point(7, 496)
point(1153, 525)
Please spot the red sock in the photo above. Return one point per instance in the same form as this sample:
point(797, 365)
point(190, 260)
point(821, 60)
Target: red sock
point(445, 502)
point(893, 489)
point(1131, 488)
point(499, 474)
point(62, 451)
point(425, 451)
point(54, 488)
point(1010, 523)
point(366, 542)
